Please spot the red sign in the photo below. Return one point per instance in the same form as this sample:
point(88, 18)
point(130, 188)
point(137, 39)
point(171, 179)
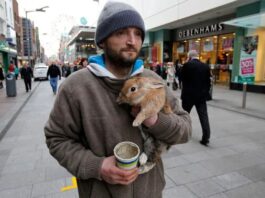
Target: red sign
point(247, 66)
point(154, 54)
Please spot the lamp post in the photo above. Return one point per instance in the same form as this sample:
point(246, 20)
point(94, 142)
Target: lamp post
point(28, 27)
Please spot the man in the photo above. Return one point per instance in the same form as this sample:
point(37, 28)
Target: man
point(86, 122)
point(26, 74)
point(195, 89)
point(11, 68)
point(54, 73)
point(2, 77)
point(83, 63)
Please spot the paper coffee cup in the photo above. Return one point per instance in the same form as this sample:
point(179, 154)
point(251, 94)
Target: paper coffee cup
point(127, 154)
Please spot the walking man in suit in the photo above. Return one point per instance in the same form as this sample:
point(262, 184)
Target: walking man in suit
point(26, 74)
point(196, 85)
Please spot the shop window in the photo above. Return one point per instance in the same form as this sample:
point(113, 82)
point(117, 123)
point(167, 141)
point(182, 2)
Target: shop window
point(180, 50)
point(225, 50)
point(209, 50)
point(224, 59)
point(194, 44)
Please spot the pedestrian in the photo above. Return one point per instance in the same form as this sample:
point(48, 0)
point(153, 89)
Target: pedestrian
point(178, 67)
point(11, 68)
point(195, 89)
point(53, 74)
point(16, 72)
point(75, 66)
point(86, 121)
point(67, 70)
point(158, 68)
point(83, 63)
point(26, 74)
point(2, 77)
point(170, 74)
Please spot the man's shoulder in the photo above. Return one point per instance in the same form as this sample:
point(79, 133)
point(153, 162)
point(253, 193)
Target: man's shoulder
point(81, 75)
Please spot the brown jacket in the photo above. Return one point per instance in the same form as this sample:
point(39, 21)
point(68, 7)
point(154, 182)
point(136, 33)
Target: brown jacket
point(86, 123)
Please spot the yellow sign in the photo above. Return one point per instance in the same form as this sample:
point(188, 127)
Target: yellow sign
point(73, 186)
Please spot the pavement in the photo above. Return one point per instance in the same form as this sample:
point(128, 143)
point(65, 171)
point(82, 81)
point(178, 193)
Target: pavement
point(233, 166)
point(11, 106)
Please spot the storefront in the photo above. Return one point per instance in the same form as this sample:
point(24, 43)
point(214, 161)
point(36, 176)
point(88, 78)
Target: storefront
point(7, 54)
point(214, 42)
point(249, 59)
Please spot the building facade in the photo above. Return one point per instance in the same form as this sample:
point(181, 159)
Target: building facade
point(78, 44)
point(8, 51)
point(214, 29)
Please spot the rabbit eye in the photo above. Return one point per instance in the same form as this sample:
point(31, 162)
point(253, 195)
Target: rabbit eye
point(133, 89)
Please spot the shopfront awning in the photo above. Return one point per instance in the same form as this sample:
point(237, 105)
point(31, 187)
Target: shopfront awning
point(252, 21)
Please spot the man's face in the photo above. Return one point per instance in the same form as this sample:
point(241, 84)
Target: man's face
point(123, 46)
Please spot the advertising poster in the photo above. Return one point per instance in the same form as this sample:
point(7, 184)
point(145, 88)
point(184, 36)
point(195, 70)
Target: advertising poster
point(208, 45)
point(180, 48)
point(194, 45)
point(248, 59)
point(227, 44)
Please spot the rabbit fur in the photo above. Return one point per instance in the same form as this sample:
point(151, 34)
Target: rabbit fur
point(150, 95)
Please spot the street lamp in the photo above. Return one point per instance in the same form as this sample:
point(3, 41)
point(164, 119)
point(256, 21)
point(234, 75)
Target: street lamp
point(28, 27)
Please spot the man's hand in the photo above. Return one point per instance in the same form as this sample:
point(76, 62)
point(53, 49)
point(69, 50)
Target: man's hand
point(147, 122)
point(113, 175)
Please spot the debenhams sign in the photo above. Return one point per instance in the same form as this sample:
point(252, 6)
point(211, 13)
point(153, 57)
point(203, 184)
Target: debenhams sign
point(199, 31)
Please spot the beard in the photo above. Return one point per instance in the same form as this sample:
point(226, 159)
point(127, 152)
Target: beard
point(120, 60)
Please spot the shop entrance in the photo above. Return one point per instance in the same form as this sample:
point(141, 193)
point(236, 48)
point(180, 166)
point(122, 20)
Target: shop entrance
point(217, 51)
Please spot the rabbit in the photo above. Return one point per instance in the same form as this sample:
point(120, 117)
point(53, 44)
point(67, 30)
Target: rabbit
point(146, 92)
point(150, 95)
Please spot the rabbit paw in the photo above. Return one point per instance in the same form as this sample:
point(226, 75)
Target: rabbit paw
point(143, 159)
point(146, 168)
point(136, 123)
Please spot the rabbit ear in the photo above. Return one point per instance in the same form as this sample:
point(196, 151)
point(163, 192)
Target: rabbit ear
point(154, 85)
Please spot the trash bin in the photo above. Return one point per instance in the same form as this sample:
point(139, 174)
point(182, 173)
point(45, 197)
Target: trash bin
point(11, 88)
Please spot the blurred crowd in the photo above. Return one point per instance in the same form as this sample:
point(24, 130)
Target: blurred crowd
point(169, 71)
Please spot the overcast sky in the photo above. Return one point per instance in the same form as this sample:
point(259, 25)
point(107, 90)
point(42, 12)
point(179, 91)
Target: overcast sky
point(59, 18)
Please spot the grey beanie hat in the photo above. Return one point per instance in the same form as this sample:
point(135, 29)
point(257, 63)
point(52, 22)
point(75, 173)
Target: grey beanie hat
point(115, 16)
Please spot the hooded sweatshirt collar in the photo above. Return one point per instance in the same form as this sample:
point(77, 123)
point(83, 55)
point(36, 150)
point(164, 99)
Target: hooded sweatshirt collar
point(97, 66)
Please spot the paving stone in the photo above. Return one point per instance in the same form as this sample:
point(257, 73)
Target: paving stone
point(17, 168)
point(172, 152)
point(67, 194)
point(205, 188)
point(174, 161)
point(254, 173)
point(196, 157)
point(231, 180)
point(21, 150)
point(230, 140)
point(219, 195)
point(21, 179)
point(22, 159)
point(52, 173)
point(23, 192)
point(251, 146)
point(169, 182)
point(179, 191)
point(233, 162)
point(254, 190)
point(188, 173)
point(49, 187)
point(220, 152)
point(191, 148)
point(49, 162)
